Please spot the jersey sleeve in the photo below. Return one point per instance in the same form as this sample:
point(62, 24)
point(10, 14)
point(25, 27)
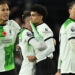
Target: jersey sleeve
point(28, 37)
point(48, 38)
point(46, 32)
point(15, 26)
point(50, 49)
point(59, 63)
point(71, 31)
point(71, 36)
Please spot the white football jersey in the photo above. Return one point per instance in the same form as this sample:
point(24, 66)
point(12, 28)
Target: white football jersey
point(8, 35)
point(47, 34)
point(67, 55)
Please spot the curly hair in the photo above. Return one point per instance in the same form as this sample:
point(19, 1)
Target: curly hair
point(40, 9)
point(70, 4)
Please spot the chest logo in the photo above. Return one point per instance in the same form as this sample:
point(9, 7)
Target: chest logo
point(3, 33)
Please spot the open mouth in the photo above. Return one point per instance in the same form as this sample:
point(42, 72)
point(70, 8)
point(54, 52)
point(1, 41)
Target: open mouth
point(6, 16)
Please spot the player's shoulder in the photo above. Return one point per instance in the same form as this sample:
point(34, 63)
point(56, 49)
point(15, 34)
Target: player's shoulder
point(26, 31)
point(68, 23)
point(13, 24)
point(11, 21)
point(71, 25)
point(47, 28)
point(43, 25)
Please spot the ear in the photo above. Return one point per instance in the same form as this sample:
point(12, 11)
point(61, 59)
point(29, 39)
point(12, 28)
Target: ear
point(41, 17)
point(69, 11)
point(9, 12)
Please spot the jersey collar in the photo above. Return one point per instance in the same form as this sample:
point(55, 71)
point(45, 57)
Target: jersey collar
point(2, 24)
point(39, 24)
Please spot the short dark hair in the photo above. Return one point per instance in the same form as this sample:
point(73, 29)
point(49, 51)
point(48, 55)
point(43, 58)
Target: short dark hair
point(40, 9)
point(70, 4)
point(2, 2)
point(25, 14)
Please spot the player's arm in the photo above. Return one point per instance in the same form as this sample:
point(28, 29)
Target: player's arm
point(47, 34)
point(27, 36)
point(48, 38)
point(16, 25)
point(59, 61)
point(71, 36)
point(59, 67)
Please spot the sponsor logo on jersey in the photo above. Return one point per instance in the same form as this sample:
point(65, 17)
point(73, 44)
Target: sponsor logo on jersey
point(7, 41)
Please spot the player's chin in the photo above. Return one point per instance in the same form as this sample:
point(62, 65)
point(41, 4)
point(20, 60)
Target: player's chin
point(5, 19)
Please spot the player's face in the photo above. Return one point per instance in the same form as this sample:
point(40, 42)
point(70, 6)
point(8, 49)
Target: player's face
point(36, 18)
point(27, 23)
point(72, 11)
point(4, 12)
point(27, 20)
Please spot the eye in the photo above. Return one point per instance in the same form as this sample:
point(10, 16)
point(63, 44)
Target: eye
point(3, 9)
point(7, 9)
point(32, 15)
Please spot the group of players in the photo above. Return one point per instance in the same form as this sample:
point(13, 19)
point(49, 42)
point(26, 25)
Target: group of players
point(36, 43)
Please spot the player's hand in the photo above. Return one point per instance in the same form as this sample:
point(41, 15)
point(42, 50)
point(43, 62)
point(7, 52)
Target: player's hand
point(57, 73)
point(17, 48)
point(31, 58)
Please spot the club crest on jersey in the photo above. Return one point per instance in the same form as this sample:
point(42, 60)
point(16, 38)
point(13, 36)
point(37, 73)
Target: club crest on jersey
point(73, 29)
point(29, 34)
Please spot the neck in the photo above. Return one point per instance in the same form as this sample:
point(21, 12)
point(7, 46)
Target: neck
point(38, 23)
point(73, 18)
point(2, 22)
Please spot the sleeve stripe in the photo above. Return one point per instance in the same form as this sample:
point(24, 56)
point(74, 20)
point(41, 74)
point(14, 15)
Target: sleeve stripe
point(71, 38)
point(30, 39)
point(48, 38)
